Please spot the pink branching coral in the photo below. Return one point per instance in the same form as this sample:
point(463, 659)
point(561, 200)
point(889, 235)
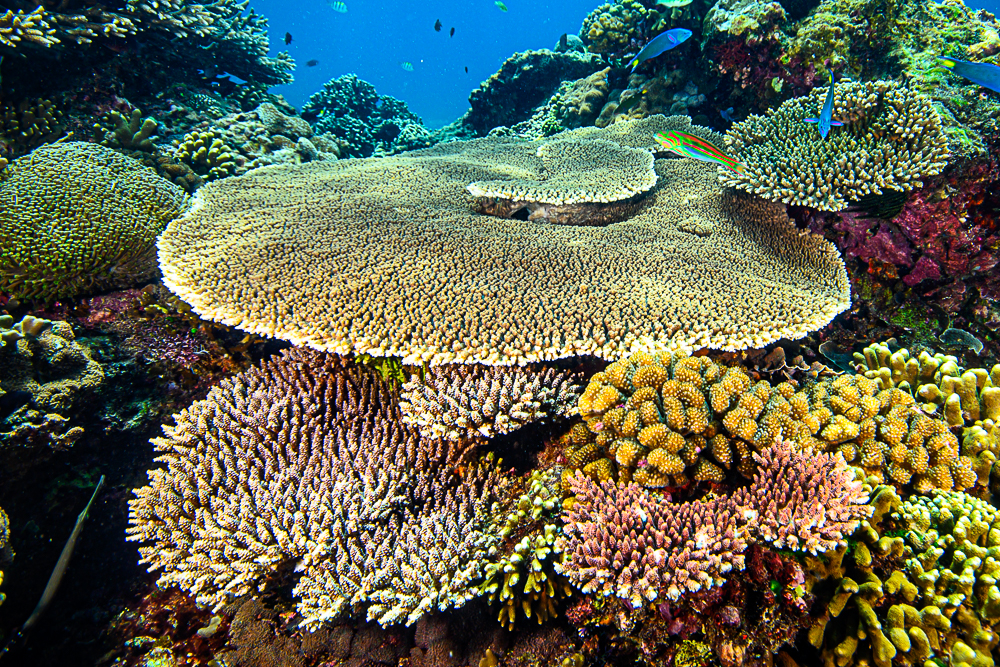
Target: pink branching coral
point(629, 541)
point(804, 502)
point(622, 539)
point(305, 459)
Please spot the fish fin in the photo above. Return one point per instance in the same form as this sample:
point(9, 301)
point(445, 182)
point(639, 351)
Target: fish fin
point(947, 61)
point(837, 123)
point(810, 120)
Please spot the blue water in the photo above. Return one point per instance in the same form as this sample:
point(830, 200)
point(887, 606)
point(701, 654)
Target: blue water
point(373, 37)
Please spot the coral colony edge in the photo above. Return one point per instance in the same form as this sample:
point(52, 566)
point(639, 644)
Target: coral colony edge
point(680, 348)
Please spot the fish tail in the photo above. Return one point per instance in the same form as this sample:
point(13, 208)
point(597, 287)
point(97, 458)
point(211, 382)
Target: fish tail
point(948, 61)
point(635, 63)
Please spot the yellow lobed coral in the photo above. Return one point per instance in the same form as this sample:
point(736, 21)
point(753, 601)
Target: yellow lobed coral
point(383, 256)
point(206, 153)
point(665, 420)
point(891, 139)
point(611, 27)
point(77, 218)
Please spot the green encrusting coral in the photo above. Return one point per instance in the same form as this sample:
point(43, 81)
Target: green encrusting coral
point(77, 218)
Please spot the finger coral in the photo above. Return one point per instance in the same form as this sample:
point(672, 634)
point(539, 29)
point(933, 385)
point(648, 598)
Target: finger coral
point(664, 420)
point(78, 218)
point(891, 139)
point(305, 459)
point(475, 402)
point(384, 256)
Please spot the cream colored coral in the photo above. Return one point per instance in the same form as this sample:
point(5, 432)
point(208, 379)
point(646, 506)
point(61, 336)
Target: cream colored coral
point(383, 256)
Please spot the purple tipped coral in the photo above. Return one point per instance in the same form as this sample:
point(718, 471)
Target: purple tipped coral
point(629, 541)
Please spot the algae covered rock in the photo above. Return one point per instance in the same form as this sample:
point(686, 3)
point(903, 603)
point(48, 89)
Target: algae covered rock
point(44, 373)
point(78, 218)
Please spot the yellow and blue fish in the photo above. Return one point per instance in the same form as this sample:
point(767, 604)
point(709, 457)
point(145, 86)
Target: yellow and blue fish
point(662, 42)
point(500, 5)
point(982, 74)
point(696, 148)
point(337, 6)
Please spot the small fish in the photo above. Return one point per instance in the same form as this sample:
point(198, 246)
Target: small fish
point(312, 63)
point(337, 6)
point(662, 42)
point(564, 41)
point(500, 4)
point(631, 102)
point(727, 115)
point(696, 148)
point(466, 69)
point(288, 38)
point(451, 33)
point(408, 66)
point(825, 120)
point(437, 25)
point(982, 74)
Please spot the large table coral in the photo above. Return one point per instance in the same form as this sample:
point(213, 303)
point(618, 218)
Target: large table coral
point(305, 458)
point(77, 218)
point(387, 257)
point(891, 139)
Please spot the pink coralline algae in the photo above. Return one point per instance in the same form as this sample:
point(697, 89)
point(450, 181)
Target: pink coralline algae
point(305, 460)
point(939, 234)
point(629, 541)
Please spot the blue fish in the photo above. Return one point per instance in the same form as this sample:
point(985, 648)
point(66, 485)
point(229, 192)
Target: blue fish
point(825, 120)
point(662, 42)
point(982, 74)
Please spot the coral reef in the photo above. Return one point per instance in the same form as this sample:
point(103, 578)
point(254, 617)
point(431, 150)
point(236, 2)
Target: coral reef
point(475, 402)
point(662, 279)
point(44, 373)
point(575, 104)
point(28, 124)
point(102, 213)
point(613, 28)
point(217, 35)
point(384, 522)
point(206, 154)
point(891, 139)
point(665, 420)
point(679, 548)
point(525, 81)
point(368, 123)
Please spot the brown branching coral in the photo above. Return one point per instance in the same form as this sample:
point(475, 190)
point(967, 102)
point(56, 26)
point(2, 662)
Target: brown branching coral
point(383, 256)
point(78, 218)
point(17, 27)
point(628, 541)
point(476, 402)
point(891, 139)
point(305, 459)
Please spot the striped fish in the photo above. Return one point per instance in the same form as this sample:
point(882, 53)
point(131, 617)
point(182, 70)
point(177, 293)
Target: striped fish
point(696, 148)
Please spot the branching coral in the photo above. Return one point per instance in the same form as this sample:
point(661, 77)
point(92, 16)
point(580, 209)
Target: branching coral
point(368, 123)
point(305, 459)
point(527, 576)
point(627, 541)
point(891, 139)
point(475, 402)
point(101, 211)
point(383, 256)
point(28, 124)
point(206, 153)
